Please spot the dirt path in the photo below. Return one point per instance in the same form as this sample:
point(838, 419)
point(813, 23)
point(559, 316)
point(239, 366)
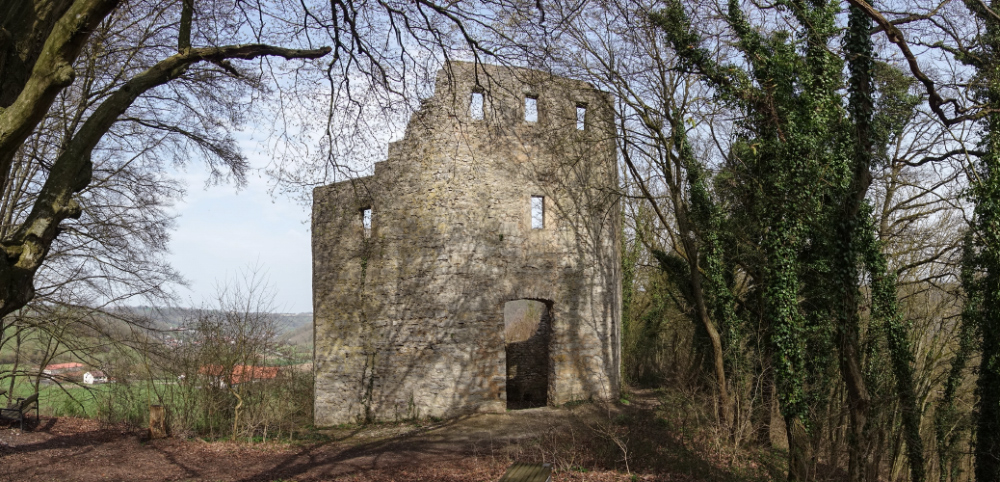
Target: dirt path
point(475, 448)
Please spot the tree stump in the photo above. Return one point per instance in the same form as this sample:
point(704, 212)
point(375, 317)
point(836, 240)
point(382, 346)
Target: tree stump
point(157, 422)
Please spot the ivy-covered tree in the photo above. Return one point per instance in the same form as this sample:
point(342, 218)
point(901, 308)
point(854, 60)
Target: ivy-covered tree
point(983, 283)
point(980, 276)
point(857, 243)
point(803, 161)
point(791, 149)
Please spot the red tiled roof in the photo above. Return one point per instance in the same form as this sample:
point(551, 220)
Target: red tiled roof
point(64, 366)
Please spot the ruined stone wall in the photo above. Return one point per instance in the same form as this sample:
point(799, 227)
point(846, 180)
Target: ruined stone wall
point(409, 318)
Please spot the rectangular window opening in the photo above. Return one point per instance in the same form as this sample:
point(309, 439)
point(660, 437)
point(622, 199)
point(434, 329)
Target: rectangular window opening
point(476, 106)
point(537, 212)
point(531, 109)
point(581, 117)
point(366, 221)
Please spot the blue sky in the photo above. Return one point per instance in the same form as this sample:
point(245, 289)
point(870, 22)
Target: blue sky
point(221, 231)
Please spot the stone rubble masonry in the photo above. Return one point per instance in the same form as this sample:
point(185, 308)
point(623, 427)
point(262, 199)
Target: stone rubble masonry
point(409, 316)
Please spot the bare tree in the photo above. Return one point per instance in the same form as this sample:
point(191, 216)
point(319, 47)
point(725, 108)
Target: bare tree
point(43, 64)
point(231, 380)
point(179, 70)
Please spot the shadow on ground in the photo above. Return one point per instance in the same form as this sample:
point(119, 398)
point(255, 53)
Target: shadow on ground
point(587, 441)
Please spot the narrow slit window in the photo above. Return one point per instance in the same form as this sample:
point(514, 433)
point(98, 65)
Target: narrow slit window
point(530, 109)
point(366, 221)
point(537, 212)
point(581, 117)
point(476, 106)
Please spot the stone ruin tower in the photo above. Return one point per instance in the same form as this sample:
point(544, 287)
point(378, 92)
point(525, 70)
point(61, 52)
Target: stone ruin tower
point(478, 269)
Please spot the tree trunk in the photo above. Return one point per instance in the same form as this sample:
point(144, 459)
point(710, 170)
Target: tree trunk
point(692, 256)
point(858, 400)
point(24, 26)
point(800, 455)
point(718, 358)
point(764, 410)
point(986, 194)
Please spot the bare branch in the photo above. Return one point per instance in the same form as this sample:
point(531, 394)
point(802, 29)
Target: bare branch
point(934, 99)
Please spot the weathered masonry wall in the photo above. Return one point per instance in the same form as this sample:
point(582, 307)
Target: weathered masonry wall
point(409, 314)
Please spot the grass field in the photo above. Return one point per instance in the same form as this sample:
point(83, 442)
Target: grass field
point(65, 400)
point(73, 400)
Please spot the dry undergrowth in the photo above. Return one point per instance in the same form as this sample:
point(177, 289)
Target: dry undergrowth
point(585, 442)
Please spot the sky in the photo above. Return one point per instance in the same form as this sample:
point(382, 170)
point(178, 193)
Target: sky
point(221, 231)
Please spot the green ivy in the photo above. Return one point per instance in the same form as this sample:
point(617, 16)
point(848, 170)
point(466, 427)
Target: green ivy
point(983, 259)
point(885, 312)
point(791, 152)
point(949, 423)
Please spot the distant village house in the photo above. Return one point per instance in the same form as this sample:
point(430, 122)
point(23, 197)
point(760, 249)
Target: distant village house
point(95, 376)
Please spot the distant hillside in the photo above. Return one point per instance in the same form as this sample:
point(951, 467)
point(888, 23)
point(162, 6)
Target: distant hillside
point(301, 336)
point(293, 328)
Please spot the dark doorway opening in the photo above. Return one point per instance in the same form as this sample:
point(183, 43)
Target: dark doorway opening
point(526, 334)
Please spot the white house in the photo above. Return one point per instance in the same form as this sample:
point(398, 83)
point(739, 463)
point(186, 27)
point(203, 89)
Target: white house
point(95, 376)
